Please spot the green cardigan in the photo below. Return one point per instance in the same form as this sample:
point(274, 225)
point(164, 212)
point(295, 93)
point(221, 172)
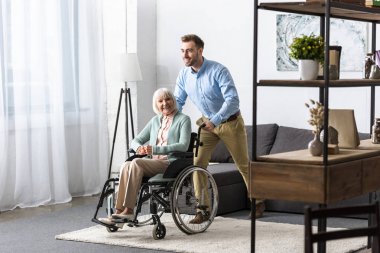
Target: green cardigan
point(178, 135)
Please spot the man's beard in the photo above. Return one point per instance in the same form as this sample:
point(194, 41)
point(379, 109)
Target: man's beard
point(189, 63)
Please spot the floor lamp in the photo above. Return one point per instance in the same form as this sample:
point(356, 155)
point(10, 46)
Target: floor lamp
point(129, 72)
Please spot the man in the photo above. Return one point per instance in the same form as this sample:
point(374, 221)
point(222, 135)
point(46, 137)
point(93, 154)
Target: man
point(210, 86)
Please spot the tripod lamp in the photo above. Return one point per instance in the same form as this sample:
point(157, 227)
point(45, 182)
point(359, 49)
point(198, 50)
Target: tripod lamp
point(129, 72)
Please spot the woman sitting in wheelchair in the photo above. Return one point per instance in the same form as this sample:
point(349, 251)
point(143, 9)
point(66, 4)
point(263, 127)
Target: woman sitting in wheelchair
point(166, 132)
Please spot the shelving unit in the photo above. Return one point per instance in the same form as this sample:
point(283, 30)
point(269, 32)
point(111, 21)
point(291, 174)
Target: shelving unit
point(325, 11)
point(363, 162)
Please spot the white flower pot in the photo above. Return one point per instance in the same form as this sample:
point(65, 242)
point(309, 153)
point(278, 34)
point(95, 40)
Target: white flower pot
point(308, 69)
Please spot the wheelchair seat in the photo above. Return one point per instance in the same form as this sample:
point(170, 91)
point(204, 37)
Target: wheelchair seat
point(160, 178)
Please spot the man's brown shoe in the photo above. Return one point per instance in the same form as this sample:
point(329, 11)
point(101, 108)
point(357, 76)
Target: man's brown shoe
point(200, 218)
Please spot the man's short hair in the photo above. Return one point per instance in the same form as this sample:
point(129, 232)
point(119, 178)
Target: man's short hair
point(192, 37)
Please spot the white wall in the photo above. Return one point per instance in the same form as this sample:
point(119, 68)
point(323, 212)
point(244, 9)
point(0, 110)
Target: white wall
point(154, 32)
point(146, 50)
point(129, 26)
point(114, 23)
point(226, 26)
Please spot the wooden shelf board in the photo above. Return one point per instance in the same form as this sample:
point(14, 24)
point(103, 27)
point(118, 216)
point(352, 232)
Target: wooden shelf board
point(342, 83)
point(368, 145)
point(304, 157)
point(338, 10)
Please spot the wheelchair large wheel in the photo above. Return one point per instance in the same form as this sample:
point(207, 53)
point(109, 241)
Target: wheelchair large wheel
point(194, 191)
point(144, 217)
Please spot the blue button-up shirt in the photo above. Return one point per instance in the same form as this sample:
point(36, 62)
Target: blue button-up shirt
point(211, 89)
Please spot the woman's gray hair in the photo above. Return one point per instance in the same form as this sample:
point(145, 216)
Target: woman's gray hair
point(162, 93)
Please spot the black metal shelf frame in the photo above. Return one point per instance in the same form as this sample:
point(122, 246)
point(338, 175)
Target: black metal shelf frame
point(324, 11)
point(325, 32)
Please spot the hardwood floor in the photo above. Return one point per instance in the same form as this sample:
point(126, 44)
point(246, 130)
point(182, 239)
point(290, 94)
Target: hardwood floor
point(34, 211)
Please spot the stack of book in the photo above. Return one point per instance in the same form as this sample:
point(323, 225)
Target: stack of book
point(372, 3)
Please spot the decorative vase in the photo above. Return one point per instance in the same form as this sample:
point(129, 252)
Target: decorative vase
point(308, 69)
point(315, 146)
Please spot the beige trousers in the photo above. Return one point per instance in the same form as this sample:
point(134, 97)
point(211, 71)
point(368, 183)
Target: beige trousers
point(234, 136)
point(131, 175)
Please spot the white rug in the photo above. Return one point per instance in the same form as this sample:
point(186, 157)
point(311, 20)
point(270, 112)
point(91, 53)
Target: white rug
point(224, 235)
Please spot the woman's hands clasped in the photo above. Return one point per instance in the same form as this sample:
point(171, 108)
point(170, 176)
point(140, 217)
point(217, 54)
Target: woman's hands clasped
point(144, 150)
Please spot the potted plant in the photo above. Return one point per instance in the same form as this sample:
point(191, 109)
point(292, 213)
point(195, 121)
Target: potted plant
point(309, 51)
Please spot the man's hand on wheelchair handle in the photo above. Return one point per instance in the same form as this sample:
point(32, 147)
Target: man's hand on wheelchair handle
point(208, 125)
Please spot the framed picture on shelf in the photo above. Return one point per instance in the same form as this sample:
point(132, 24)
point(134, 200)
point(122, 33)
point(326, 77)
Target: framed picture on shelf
point(335, 52)
point(351, 36)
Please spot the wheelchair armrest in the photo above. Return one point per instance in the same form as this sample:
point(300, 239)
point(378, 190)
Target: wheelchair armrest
point(134, 156)
point(182, 154)
point(131, 151)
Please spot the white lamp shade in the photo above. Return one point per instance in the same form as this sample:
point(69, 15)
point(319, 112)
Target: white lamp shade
point(130, 68)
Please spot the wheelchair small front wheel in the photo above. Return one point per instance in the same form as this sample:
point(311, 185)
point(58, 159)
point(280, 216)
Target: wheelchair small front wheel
point(112, 230)
point(194, 200)
point(159, 231)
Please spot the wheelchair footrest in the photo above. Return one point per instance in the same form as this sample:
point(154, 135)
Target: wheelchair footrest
point(104, 224)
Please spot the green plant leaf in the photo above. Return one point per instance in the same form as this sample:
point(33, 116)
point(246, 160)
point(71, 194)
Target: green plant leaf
point(309, 47)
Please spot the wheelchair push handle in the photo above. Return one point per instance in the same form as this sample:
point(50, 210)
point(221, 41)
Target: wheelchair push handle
point(198, 142)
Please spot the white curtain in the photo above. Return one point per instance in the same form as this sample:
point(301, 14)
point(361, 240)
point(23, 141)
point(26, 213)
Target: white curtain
point(53, 122)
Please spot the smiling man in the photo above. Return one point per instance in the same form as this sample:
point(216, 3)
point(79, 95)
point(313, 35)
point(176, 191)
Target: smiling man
point(210, 86)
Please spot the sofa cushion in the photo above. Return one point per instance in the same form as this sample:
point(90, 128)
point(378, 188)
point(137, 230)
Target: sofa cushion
point(220, 154)
point(266, 134)
point(364, 136)
point(225, 174)
point(290, 139)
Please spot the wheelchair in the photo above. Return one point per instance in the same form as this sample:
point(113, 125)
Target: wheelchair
point(171, 192)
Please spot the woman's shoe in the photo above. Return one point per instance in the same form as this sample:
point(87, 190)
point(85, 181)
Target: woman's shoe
point(122, 216)
point(107, 221)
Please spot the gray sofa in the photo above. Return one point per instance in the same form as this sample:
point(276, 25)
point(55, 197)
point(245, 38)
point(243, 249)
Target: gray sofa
point(271, 139)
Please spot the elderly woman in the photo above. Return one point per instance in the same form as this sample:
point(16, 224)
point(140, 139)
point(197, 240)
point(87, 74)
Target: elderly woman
point(166, 132)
